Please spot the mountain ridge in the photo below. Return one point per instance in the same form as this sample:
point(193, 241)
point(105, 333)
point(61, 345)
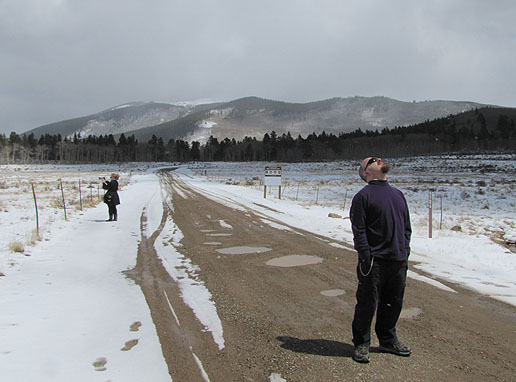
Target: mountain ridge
point(253, 117)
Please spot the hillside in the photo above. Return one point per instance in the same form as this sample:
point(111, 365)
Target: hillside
point(116, 120)
point(253, 117)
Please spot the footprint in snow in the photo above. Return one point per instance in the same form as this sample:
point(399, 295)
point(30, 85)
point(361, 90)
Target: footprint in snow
point(135, 326)
point(100, 364)
point(129, 345)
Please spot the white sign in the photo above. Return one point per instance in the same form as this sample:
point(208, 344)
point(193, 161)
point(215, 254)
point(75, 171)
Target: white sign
point(272, 176)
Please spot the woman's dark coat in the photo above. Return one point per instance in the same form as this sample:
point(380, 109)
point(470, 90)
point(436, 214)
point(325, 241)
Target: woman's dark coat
point(111, 196)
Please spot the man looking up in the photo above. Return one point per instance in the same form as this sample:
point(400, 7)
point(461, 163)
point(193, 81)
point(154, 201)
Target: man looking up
point(381, 234)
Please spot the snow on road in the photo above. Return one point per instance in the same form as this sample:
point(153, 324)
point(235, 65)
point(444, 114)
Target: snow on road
point(184, 273)
point(69, 304)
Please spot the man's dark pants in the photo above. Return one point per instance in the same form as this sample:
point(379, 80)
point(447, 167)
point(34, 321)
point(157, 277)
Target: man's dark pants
point(383, 288)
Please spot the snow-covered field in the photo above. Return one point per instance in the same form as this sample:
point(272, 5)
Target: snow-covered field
point(68, 309)
point(477, 192)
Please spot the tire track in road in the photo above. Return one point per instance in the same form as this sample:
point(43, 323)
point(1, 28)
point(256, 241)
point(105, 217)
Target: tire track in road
point(185, 187)
point(179, 331)
point(256, 302)
point(276, 322)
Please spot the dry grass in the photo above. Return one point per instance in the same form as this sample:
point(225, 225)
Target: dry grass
point(34, 237)
point(91, 203)
point(16, 246)
point(56, 202)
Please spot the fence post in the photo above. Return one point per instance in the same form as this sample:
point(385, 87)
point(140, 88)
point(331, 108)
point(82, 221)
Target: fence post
point(441, 222)
point(80, 194)
point(430, 215)
point(62, 195)
point(36, 205)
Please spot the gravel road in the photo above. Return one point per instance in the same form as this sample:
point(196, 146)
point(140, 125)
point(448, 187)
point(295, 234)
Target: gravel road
point(295, 321)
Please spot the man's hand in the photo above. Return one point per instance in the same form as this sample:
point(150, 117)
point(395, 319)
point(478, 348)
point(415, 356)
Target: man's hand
point(365, 265)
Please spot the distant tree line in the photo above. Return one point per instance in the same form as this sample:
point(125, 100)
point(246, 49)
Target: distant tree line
point(469, 132)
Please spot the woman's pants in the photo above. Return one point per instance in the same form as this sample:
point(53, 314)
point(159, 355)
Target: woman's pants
point(112, 212)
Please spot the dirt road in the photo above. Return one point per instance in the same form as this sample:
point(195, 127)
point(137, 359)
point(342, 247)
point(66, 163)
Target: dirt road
point(276, 321)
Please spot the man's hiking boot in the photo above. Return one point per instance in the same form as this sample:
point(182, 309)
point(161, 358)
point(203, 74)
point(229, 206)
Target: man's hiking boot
point(361, 353)
point(396, 348)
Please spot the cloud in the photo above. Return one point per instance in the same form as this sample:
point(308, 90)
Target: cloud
point(69, 58)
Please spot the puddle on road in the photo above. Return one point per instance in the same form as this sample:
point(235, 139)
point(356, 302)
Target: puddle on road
point(212, 243)
point(294, 261)
point(410, 313)
point(207, 230)
point(242, 250)
point(218, 234)
point(333, 292)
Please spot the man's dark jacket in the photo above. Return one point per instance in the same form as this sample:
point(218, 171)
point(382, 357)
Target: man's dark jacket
point(381, 223)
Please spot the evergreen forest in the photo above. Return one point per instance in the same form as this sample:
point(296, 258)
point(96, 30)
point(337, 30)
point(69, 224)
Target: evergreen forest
point(483, 130)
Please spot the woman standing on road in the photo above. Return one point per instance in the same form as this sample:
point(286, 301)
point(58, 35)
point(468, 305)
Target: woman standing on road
point(111, 197)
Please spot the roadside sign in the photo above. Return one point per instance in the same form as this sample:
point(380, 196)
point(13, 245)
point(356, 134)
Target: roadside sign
point(272, 176)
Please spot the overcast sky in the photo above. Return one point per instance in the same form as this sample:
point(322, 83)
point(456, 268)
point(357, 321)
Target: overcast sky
point(61, 59)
